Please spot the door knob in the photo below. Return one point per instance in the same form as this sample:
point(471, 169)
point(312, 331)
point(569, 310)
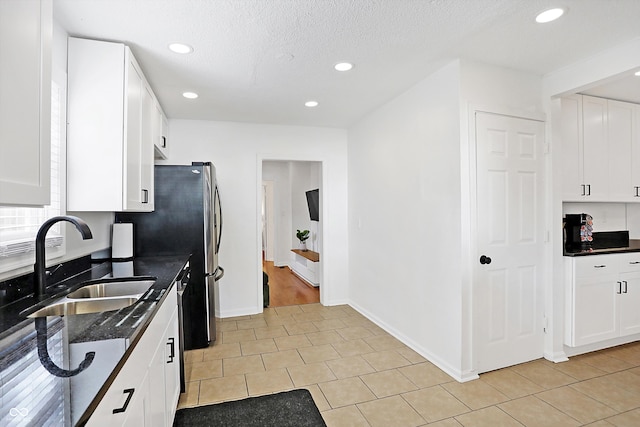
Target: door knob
point(485, 260)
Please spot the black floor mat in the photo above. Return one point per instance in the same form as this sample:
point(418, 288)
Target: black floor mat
point(287, 409)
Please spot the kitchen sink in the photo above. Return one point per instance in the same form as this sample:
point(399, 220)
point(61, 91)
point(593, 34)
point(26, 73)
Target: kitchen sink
point(67, 307)
point(112, 289)
point(98, 296)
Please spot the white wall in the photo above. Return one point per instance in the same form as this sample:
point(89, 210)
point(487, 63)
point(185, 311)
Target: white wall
point(305, 176)
point(278, 173)
point(411, 189)
point(404, 216)
point(238, 150)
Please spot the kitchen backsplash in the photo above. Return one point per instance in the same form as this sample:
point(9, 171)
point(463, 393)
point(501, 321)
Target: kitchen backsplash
point(606, 216)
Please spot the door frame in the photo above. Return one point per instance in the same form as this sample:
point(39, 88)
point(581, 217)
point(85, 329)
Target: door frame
point(469, 228)
point(268, 225)
point(325, 288)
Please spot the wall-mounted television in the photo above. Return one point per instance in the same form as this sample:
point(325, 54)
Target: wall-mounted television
point(313, 201)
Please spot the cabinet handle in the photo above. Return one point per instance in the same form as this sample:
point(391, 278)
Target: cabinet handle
point(625, 287)
point(636, 189)
point(634, 262)
point(588, 189)
point(172, 346)
point(600, 266)
point(584, 190)
point(145, 196)
point(619, 291)
point(129, 392)
point(164, 143)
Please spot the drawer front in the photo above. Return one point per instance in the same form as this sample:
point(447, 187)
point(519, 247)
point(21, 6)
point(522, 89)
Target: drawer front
point(597, 265)
point(630, 262)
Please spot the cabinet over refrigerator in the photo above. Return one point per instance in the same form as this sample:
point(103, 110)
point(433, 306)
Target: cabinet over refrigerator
point(187, 219)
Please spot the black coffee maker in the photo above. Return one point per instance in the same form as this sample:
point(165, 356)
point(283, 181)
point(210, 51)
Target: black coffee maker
point(578, 230)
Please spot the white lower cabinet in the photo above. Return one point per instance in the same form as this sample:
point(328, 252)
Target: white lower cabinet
point(164, 377)
point(146, 390)
point(602, 298)
point(630, 303)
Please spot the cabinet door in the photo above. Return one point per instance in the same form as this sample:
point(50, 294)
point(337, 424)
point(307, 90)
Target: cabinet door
point(150, 130)
point(137, 414)
point(571, 149)
point(126, 401)
point(157, 386)
point(619, 140)
point(161, 142)
point(26, 29)
point(596, 153)
point(629, 299)
point(133, 195)
point(172, 368)
point(96, 122)
point(635, 151)
point(595, 308)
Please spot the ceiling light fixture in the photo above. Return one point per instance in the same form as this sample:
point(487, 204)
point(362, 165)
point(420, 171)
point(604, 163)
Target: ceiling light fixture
point(311, 104)
point(549, 15)
point(180, 48)
point(637, 73)
point(190, 95)
point(343, 66)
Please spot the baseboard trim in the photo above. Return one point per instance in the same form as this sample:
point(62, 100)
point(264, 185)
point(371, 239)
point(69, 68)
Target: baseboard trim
point(453, 372)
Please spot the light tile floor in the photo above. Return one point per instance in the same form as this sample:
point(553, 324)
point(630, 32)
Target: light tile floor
point(361, 376)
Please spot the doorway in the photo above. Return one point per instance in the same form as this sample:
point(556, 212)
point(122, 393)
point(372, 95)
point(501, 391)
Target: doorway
point(508, 290)
point(293, 277)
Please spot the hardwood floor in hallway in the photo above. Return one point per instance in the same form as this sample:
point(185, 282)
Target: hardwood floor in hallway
point(285, 288)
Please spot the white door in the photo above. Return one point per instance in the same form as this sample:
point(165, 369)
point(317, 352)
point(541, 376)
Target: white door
point(508, 292)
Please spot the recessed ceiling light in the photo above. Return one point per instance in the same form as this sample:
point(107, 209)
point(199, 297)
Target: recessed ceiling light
point(343, 66)
point(180, 48)
point(549, 15)
point(190, 95)
point(637, 73)
point(311, 104)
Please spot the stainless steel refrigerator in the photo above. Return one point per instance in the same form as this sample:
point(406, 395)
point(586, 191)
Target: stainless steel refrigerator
point(187, 220)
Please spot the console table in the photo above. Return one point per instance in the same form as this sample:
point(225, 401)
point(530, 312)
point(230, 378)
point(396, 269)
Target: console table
point(306, 265)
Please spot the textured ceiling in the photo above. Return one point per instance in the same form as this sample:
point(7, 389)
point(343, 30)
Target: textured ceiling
point(260, 60)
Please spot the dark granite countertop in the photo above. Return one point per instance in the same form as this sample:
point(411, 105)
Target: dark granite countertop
point(633, 246)
point(111, 335)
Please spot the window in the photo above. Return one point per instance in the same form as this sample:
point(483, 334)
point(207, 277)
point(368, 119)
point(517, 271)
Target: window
point(18, 226)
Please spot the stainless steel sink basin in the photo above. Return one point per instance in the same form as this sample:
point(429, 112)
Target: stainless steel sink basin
point(67, 307)
point(98, 296)
point(112, 289)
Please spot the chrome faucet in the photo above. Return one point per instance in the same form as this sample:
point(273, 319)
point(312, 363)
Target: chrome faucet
point(39, 267)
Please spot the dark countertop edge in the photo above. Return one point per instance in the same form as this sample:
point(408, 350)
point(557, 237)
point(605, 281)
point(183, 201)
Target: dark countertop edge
point(634, 246)
point(84, 418)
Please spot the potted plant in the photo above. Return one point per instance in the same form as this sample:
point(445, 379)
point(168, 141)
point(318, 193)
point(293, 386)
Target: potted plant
point(302, 236)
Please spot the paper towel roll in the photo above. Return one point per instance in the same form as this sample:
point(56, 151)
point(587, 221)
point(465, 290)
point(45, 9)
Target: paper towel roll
point(122, 241)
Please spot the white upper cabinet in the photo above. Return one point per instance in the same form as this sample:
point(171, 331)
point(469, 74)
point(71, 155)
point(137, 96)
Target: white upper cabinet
point(26, 31)
point(595, 150)
point(600, 150)
point(620, 143)
point(110, 142)
point(161, 141)
point(572, 151)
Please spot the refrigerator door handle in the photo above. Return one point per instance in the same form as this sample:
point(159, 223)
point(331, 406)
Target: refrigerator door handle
point(217, 275)
point(218, 204)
